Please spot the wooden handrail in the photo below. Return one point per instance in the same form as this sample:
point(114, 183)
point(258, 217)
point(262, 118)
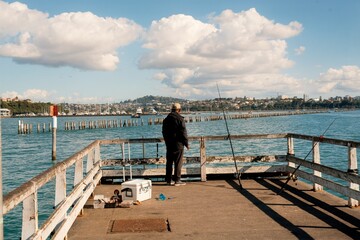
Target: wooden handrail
point(27, 192)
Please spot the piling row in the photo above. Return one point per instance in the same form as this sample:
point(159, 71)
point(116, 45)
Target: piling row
point(27, 128)
point(102, 124)
point(251, 115)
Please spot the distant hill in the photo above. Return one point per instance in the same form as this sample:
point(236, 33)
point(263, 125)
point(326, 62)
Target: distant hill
point(155, 99)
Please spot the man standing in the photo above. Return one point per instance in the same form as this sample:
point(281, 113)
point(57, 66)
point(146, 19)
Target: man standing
point(175, 136)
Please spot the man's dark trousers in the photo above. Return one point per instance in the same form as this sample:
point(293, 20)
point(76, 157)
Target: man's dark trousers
point(174, 157)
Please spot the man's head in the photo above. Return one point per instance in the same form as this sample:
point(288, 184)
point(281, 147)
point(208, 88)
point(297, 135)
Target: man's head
point(176, 107)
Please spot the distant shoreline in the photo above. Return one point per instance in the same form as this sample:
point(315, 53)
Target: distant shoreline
point(191, 113)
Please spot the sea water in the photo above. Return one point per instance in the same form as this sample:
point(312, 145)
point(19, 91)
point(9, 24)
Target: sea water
point(26, 155)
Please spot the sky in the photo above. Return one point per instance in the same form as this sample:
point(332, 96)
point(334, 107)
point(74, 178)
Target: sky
point(92, 51)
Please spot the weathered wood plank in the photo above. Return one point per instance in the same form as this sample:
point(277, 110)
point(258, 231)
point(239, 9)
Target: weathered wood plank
point(79, 171)
point(329, 184)
point(316, 159)
point(209, 159)
point(16, 196)
point(325, 140)
point(60, 187)
point(116, 173)
point(203, 160)
point(64, 228)
point(92, 151)
point(30, 216)
point(77, 192)
point(326, 170)
point(247, 136)
point(192, 138)
point(90, 160)
point(353, 170)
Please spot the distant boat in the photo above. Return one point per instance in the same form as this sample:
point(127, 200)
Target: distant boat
point(139, 111)
point(137, 114)
point(153, 111)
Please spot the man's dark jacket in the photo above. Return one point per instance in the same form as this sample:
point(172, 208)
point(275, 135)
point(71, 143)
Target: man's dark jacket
point(174, 132)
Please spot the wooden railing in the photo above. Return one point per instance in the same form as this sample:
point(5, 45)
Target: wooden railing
point(351, 180)
point(68, 207)
point(350, 176)
point(202, 170)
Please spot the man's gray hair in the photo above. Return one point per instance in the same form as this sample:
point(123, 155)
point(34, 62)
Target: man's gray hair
point(176, 106)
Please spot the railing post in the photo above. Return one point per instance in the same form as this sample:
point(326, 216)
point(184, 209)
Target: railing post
point(30, 216)
point(316, 159)
point(79, 169)
point(123, 151)
point(79, 175)
point(128, 151)
point(60, 187)
point(202, 159)
point(290, 151)
point(60, 190)
point(97, 153)
point(353, 169)
point(90, 160)
point(143, 148)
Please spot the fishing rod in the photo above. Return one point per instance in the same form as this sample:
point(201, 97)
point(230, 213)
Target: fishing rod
point(297, 168)
point(238, 174)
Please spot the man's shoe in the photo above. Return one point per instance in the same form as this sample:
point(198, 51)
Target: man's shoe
point(172, 183)
point(180, 183)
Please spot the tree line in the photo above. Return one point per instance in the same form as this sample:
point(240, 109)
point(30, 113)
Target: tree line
point(25, 107)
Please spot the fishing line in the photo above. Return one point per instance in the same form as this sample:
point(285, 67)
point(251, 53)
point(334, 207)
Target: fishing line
point(297, 168)
point(238, 174)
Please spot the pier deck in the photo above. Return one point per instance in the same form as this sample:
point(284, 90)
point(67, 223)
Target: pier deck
point(218, 209)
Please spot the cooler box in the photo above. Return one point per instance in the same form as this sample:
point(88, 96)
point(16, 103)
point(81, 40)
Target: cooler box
point(99, 201)
point(137, 190)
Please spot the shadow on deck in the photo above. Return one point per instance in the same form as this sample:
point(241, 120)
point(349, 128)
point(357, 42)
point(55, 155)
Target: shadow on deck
point(218, 209)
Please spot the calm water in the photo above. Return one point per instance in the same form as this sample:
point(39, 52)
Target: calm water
point(25, 156)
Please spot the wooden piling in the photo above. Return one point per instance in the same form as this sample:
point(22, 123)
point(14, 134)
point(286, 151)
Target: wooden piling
point(53, 153)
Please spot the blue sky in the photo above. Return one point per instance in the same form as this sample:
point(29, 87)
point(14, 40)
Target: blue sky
point(109, 51)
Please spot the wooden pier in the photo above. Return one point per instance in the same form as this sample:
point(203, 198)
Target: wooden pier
point(219, 208)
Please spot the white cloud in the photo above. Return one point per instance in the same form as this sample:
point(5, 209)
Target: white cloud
point(78, 39)
point(243, 51)
point(345, 80)
point(77, 98)
point(36, 94)
point(10, 94)
point(40, 95)
point(300, 50)
point(33, 94)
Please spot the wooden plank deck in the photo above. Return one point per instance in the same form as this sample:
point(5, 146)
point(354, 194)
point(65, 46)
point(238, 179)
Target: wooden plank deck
point(218, 209)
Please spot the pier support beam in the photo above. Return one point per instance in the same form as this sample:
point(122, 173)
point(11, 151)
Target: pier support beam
point(353, 169)
point(290, 151)
point(316, 159)
point(30, 216)
point(203, 159)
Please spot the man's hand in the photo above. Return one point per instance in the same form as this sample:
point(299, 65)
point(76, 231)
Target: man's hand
point(188, 147)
